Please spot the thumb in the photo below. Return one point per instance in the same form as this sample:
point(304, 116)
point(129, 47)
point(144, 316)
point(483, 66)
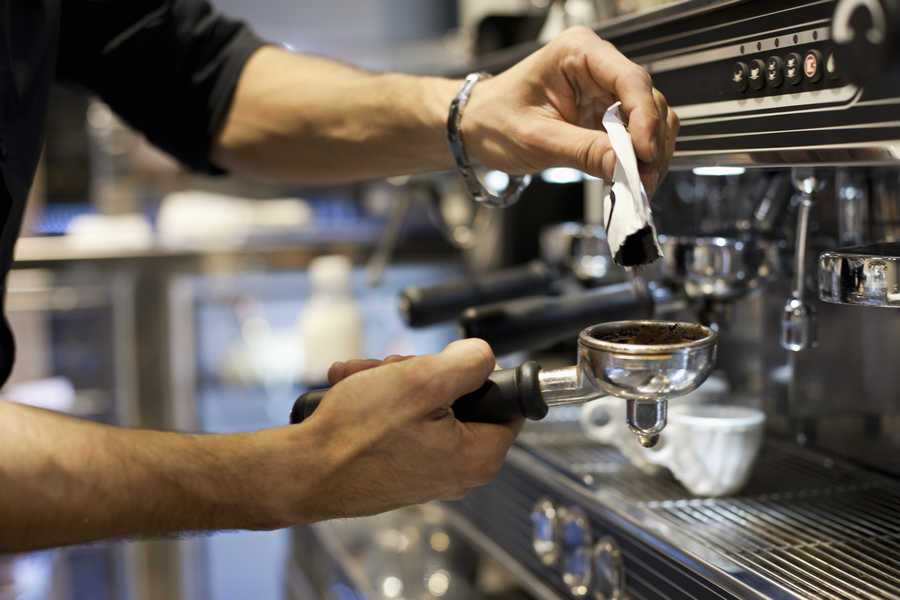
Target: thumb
point(439, 379)
point(563, 144)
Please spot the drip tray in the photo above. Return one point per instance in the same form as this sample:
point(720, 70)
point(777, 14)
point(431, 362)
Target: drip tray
point(812, 526)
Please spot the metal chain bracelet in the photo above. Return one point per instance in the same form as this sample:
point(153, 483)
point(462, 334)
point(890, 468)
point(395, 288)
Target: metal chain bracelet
point(477, 191)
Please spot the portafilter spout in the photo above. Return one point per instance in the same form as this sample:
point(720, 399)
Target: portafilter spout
point(643, 362)
point(647, 363)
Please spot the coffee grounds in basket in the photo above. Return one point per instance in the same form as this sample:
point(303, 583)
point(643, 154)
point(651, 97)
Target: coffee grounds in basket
point(653, 335)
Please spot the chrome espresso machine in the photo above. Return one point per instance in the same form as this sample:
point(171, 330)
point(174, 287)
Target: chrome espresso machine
point(780, 227)
point(781, 231)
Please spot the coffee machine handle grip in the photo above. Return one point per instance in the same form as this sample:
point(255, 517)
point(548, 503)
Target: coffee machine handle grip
point(423, 306)
point(507, 394)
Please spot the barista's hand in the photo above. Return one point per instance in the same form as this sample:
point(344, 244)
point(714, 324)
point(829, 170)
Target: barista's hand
point(546, 111)
point(385, 437)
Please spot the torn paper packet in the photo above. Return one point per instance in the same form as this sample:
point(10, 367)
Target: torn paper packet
point(626, 208)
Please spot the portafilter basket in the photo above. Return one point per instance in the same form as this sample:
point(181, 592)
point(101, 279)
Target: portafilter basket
point(643, 362)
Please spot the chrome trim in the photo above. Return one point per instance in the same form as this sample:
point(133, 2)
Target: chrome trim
point(871, 153)
point(473, 535)
point(842, 98)
point(862, 276)
point(737, 50)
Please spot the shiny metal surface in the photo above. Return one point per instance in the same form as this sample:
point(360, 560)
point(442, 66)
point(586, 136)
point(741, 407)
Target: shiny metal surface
point(862, 275)
point(579, 248)
point(576, 541)
point(566, 386)
point(647, 371)
point(805, 526)
point(797, 321)
point(717, 267)
point(609, 571)
point(647, 374)
point(545, 537)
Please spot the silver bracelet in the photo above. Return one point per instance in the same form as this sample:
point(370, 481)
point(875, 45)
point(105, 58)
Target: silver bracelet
point(474, 187)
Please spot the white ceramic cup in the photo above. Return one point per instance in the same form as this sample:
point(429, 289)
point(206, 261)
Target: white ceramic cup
point(603, 420)
point(709, 448)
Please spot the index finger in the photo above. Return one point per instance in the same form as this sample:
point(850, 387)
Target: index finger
point(439, 379)
point(631, 84)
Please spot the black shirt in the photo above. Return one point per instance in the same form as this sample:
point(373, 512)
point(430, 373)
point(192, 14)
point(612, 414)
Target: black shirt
point(167, 67)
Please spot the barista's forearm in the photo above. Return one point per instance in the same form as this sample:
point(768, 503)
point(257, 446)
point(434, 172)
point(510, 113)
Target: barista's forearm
point(65, 481)
point(310, 120)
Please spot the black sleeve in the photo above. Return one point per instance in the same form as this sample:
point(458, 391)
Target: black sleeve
point(167, 67)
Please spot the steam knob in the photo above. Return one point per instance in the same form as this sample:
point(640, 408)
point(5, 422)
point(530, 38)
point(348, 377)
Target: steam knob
point(864, 33)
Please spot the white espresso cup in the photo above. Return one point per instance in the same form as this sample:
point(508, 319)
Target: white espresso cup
point(603, 420)
point(709, 448)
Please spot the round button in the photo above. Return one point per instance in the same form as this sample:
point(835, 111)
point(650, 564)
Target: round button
point(792, 68)
point(812, 65)
point(831, 66)
point(575, 537)
point(757, 75)
point(609, 571)
point(545, 532)
point(774, 71)
point(739, 76)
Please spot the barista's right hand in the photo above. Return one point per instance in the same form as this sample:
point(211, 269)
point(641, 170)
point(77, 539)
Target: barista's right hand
point(384, 437)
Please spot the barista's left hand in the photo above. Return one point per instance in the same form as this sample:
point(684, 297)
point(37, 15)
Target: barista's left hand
point(547, 110)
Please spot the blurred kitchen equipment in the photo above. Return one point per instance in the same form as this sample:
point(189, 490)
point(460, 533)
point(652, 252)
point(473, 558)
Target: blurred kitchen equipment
point(861, 275)
point(798, 324)
point(643, 362)
point(710, 448)
point(331, 324)
point(772, 85)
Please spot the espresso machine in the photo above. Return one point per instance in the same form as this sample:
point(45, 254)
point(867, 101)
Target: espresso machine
point(780, 226)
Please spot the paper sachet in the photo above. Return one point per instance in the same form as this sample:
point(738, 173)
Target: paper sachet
point(626, 208)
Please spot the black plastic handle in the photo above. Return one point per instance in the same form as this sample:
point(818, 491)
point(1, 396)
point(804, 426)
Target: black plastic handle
point(422, 306)
point(506, 395)
point(536, 323)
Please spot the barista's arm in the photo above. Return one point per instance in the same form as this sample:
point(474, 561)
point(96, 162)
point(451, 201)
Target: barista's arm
point(307, 119)
point(381, 439)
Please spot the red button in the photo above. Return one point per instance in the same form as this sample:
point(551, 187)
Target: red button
point(812, 65)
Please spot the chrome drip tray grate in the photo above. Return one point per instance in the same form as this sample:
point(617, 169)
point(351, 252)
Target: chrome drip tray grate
point(814, 527)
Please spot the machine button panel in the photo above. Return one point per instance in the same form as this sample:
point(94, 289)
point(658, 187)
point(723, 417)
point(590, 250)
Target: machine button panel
point(739, 75)
point(792, 68)
point(812, 66)
point(757, 77)
point(774, 71)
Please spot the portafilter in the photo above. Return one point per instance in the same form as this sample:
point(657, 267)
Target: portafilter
point(643, 362)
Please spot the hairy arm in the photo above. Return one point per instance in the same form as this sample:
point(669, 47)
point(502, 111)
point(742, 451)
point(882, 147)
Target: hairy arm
point(305, 119)
point(64, 480)
point(384, 437)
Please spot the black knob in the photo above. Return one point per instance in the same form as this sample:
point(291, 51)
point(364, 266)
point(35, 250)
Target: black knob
point(774, 71)
point(793, 68)
point(864, 33)
point(757, 74)
point(739, 74)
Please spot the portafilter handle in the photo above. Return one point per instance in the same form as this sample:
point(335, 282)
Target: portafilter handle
point(507, 394)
